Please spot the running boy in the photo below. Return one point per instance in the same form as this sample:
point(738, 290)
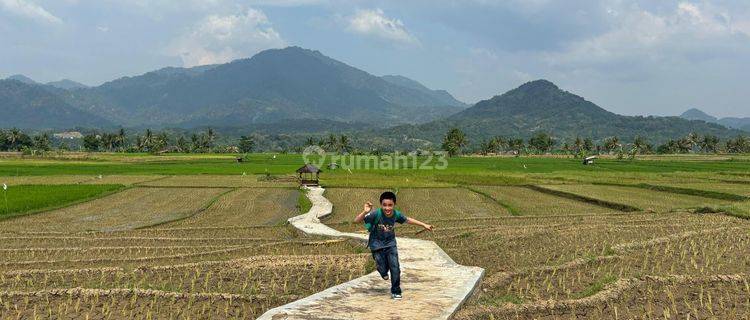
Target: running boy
point(382, 241)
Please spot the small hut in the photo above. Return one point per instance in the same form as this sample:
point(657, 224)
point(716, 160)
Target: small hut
point(308, 175)
point(588, 160)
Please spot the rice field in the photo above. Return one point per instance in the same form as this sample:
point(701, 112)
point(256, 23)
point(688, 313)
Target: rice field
point(220, 181)
point(18, 200)
point(245, 207)
point(650, 200)
point(226, 255)
point(192, 237)
point(427, 204)
point(129, 209)
point(525, 201)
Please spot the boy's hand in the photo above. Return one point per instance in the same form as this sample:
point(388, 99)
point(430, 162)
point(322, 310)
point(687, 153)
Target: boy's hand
point(429, 227)
point(367, 207)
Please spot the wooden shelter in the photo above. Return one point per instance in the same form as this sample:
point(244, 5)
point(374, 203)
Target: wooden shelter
point(309, 175)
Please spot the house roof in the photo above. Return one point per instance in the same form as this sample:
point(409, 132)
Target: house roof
point(308, 168)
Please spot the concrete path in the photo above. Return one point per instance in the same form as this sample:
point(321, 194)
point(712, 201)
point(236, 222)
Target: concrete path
point(433, 285)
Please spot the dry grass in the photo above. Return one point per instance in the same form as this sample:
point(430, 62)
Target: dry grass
point(645, 199)
point(426, 204)
point(247, 207)
point(128, 209)
point(220, 181)
point(526, 201)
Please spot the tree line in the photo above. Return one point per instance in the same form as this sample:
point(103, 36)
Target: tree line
point(455, 142)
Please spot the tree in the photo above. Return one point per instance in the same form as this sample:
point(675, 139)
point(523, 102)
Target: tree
point(42, 142)
point(640, 145)
point(14, 137)
point(332, 142)
point(740, 144)
point(709, 143)
point(310, 141)
point(120, 139)
point(611, 144)
point(246, 144)
point(210, 138)
point(542, 142)
point(453, 142)
point(578, 145)
point(182, 145)
point(515, 145)
point(91, 142)
point(588, 144)
point(147, 141)
point(344, 144)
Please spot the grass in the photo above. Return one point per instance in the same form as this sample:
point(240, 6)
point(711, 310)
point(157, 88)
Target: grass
point(303, 203)
point(692, 192)
point(28, 199)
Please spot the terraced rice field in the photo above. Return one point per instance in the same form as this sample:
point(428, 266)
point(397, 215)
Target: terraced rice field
point(640, 198)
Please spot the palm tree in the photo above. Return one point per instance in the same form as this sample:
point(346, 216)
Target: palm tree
point(211, 135)
point(121, 139)
point(344, 144)
point(454, 140)
point(332, 142)
point(148, 140)
point(13, 137)
point(310, 141)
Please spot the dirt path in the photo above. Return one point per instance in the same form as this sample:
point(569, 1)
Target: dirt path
point(434, 285)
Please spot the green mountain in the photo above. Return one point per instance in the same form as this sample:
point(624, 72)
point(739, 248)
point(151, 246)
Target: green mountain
point(33, 106)
point(729, 122)
point(67, 84)
point(542, 106)
point(22, 78)
point(441, 96)
point(273, 85)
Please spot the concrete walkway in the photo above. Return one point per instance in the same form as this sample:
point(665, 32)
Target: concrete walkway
point(433, 285)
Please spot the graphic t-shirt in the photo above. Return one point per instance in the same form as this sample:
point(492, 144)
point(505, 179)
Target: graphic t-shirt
point(383, 234)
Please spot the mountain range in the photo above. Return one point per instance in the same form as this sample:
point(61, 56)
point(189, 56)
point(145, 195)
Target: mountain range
point(272, 86)
point(540, 106)
point(277, 91)
point(729, 122)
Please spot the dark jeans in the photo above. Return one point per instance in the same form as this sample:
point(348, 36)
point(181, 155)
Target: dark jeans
point(386, 259)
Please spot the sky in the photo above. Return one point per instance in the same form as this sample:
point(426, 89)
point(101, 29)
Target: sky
point(630, 57)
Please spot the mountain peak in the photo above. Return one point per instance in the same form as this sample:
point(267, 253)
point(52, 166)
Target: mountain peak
point(697, 114)
point(22, 78)
point(540, 84)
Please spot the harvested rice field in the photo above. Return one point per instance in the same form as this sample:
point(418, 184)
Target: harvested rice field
point(129, 209)
point(427, 204)
point(246, 207)
point(525, 201)
point(554, 242)
point(222, 181)
point(644, 199)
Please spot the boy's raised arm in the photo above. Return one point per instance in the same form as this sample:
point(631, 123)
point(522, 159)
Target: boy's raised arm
point(365, 209)
point(419, 223)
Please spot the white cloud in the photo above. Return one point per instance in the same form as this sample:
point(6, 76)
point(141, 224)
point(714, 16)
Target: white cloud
point(29, 9)
point(687, 32)
point(375, 23)
point(222, 38)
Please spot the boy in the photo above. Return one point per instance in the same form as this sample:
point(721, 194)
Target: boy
point(382, 241)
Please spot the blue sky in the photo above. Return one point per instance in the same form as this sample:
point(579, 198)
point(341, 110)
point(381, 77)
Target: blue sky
point(630, 57)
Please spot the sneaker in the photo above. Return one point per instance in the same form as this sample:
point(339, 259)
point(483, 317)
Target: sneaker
point(385, 277)
point(396, 296)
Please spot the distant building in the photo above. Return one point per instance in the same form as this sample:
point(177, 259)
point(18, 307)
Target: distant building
point(68, 135)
